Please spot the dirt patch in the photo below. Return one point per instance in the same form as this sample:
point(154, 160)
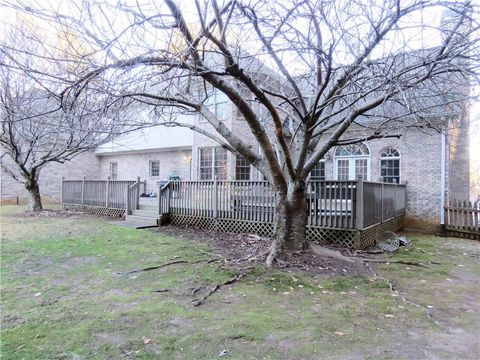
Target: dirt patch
point(245, 247)
point(50, 213)
point(75, 262)
point(11, 321)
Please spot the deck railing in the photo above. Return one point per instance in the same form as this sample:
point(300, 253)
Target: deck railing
point(331, 204)
point(99, 193)
point(132, 196)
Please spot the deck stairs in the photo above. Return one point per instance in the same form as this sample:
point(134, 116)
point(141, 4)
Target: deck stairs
point(146, 216)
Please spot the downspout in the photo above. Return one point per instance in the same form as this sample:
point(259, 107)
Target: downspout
point(442, 176)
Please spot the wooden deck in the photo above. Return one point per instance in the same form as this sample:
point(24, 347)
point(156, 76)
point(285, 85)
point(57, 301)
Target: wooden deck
point(338, 211)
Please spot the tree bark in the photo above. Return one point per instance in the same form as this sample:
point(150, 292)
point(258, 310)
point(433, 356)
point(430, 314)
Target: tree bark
point(290, 221)
point(35, 200)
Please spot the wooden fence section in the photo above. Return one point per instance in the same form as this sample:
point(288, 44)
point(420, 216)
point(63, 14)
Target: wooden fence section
point(381, 202)
point(462, 220)
point(331, 204)
point(108, 193)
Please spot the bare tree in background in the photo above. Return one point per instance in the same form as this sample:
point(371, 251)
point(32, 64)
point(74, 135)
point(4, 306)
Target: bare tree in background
point(301, 73)
point(36, 130)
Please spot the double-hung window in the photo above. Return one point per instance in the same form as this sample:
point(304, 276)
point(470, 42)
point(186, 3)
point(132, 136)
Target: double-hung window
point(212, 163)
point(390, 165)
point(218, 103)
point(242, 169)
point(113, 170)
point(154, 168)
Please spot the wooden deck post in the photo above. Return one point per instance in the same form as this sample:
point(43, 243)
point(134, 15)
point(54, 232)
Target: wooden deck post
point(383, 199)
point(83, 190)
point(107, 191)
point(395, 202)
point(137, 200)
point(127, 202)
point(359, 204)
point(61, 190)
point(215, 197)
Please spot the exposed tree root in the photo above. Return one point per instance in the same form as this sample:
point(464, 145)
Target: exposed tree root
point(395, 293)
point(208, 261)
point(156, 267)
point(243, 272)
point(274, 252)
point(320, 250)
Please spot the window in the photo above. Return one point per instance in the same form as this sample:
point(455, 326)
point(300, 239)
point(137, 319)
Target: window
point(242, 169)
point(220, 170)
point(318, 172)
point(205, 163)
point(212, 162)
point(218, 103)
point(352, 150)
point(154, 168)
point(352, 161)
point(113, 170)
point(390, 165)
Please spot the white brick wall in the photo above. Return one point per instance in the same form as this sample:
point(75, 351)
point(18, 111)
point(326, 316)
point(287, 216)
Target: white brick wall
point(137, 164)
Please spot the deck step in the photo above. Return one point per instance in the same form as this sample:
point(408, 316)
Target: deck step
point(148, 207)
point(141, 221)
point(146, 213)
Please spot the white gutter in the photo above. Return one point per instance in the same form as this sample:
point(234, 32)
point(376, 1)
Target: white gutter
point(442, 176)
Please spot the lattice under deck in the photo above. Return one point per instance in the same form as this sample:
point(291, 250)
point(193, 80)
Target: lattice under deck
point(348, 238)
point(96, 210)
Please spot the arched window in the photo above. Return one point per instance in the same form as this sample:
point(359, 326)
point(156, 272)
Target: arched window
point(352, 150)
point(352, 161)
point(390, 165)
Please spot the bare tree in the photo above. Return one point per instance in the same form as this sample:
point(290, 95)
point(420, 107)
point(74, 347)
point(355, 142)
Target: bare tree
point(36, 128)
point(301, 73)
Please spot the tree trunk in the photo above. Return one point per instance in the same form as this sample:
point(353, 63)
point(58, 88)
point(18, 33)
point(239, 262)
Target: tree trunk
point(34, 201)
point(291, 220)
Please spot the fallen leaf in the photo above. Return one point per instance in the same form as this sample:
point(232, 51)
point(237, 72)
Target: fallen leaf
point(147, 341)
point(223, 353)
point(339, 333)
point(37, 294)
point(389, 316)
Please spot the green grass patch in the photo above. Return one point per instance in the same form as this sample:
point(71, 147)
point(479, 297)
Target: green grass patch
point(65, 294)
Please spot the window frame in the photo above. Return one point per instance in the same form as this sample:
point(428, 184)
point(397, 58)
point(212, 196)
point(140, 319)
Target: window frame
point(237, 166)
point(113, 165)
point(150, 169)
point(388, 157)
point(363, 153)
point(214, 100)
point(213, 163)
point(318, 178)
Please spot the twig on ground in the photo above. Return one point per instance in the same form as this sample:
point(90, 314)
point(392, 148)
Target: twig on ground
point(243, 272)
point(161, 290)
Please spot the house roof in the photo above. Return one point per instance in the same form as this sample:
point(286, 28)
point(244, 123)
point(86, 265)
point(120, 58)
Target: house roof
point(152, 139)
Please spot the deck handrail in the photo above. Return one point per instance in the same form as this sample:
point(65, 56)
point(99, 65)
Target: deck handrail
point(164, 199)
point(353, 204)
point(132, 197)
point(94, 192)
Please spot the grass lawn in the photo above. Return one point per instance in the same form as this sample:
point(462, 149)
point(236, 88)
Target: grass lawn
point(65, 295)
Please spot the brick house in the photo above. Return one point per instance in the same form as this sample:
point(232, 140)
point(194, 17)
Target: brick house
point(434, 165)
